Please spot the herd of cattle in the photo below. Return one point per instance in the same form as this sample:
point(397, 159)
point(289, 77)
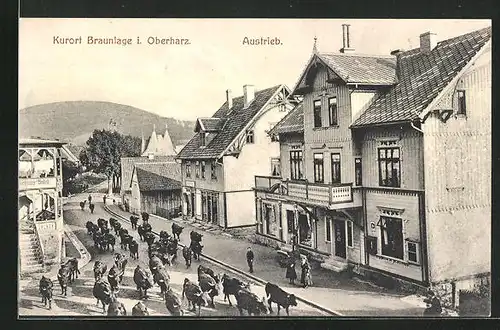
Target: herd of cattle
point(161, 253)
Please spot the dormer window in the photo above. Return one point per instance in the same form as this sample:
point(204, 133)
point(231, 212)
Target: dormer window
point(203, 139)
point(250, 137)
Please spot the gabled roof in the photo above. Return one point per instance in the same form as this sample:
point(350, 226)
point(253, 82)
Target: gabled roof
point(128, 163)
point(209, 124)
point(236, 119)
point(159, 145)
point(40, 142)
point(422, 77)
point(156, 177)
point(293, 122)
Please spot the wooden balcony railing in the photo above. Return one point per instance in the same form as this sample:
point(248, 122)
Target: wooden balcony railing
point(320, 192)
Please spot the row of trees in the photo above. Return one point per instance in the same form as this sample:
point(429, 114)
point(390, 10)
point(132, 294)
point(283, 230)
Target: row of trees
point(103, 152)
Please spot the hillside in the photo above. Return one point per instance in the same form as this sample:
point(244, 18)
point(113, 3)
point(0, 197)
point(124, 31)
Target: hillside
point(74, 121)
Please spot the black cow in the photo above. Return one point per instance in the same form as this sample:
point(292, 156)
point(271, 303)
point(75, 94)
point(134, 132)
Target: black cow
point(115, 276)
point(162, 278)
point(113, 222)
point(122, 231)
point(102, 223)
point(187, 253)
point(89, 225)
point(120, 261)
point(205, 270)
point(145, 217)
point(176, 230)
point(91, 207)
point(195, 236)
point(140, 309)
point(104, 230)
point(45, 287)
point(99, 241)
point(100, 269)
point(155, 263)
point(117, 227)
point(116, 308)
point(246, 300)
point(194, 295)
point(125, 240)
point(164, 257)
point(173, 303)
point(231, 286)
point(143, 229)
point(196, 247)
point(209, 285)
point(109, 241)
point(171, 248)
point(143, 281)
point(134, 249)
point(72, 265)
point(164, 235)
point(149, 237)
point(133, 220)
point(283, 299)
point(82, 204)
point(103, 293)
point(63, 276)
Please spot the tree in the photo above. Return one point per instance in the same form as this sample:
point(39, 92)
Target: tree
point(104, 150)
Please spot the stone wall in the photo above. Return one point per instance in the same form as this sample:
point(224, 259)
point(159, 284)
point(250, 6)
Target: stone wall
point(52, 248)
point(449, 291)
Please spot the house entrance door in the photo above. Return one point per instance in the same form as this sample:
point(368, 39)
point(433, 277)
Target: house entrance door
point(340, 244)
point(290, 220)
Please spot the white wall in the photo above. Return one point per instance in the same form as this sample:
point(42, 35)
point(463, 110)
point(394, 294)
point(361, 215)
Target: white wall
point(360, 101)
point(240, 208)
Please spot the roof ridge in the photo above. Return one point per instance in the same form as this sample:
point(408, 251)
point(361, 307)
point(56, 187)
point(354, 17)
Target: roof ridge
point(355, 55)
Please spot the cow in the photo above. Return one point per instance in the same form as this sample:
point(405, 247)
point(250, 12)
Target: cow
point(117, 227)
point(194, 295)
point(133, 246)
point(73, 269)
point(120, 261)
point(205, 270)
point(145, 217)
point(140, 309)
point(155, 247)
point(116, 308)
point(122, 231)
point(100, 269)
point(125, 240)
point(283, 299)
point(93, 228)
point(162, 278)
point(115, 276)
point(108, 240)
point(63, 276)
point(143, 229)
point(231, 286)
point(246, 300)
point(173, 303)
point(143, 281)
point(91, 207)
point(149, 237)
point(195, 236)
point(164, 235)
point(172, 249)
point(45, 288)
point(104, 230)
point(164, 257)
point(89, 225)
point(133, 220)
point(113, 222)
point(196, 247)
point(102, 223)
point(187, 253)
point(154, 264)
point(176, 230)
point(103, 293)
point(82, 204)
point(209, 285)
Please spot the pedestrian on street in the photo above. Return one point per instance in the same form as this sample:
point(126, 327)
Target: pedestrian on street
point(305, 277)
point(433, 304)
point(250, 258)
point(104, 199)
point(291, 274)
point(90, 199)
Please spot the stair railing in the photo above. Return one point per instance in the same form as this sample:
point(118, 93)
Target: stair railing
point(39, 243)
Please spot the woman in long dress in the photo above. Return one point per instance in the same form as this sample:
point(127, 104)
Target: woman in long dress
point(305, 277)
point(291, 274)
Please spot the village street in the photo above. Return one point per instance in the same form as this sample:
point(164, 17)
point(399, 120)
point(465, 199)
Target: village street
point(80, 300)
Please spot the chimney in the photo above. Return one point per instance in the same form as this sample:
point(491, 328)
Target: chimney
point(229, 99)
point(248, 94)
point(346, 42)
point(427, 42)
point(397, 52)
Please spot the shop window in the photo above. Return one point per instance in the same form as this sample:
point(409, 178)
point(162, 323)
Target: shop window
point(317, 113)
point(188, 169)
point(358, 170)
point(462, 110)
point(391, 236)
point(332, 107)
point(389, 167)
point(275, 167)
point(336, 168)
point(296, 166)
point(318, 168)
point(203, 170)
point(412, 252)
point(328, 230)
point(305, 231)
point(350, 235)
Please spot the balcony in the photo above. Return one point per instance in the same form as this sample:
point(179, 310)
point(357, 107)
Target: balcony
point(37, 183)
point(328, 195)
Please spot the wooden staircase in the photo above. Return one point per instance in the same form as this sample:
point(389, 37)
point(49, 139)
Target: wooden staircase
point(30, 250)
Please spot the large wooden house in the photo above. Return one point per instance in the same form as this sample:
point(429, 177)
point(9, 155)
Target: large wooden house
point(228, 149)
point(386, 164)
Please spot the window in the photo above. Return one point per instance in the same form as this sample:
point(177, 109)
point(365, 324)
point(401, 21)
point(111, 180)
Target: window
point(188, 169)
point(389, 167)
point(318, 168)
point(197, 169)
point(328, 230)
point(203, 170)
point(349, 229)
point(213, 170)
point(335, 168)
point(412, 252)
point(250, 137)
point(358, 170)
point(305, 231)
point(203, 138)
point(461, 103)
point(275, 167)
point(296, 171)
point(271, 220)
point(391, 236)
point(332, 107)
point(317, 113)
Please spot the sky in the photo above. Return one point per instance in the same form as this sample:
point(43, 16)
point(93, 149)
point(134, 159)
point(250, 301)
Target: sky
point(189, 81)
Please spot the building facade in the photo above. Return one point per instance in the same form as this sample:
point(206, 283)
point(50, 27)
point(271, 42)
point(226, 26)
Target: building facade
point(380, 175)
point(228, 149)
point(40, 205)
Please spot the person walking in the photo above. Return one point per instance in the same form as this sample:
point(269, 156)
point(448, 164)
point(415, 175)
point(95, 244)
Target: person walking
point(306, 273)
point(250, 258)
point(104, 199)
point(90, 199)
point(433, 304)
point(291, 274)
